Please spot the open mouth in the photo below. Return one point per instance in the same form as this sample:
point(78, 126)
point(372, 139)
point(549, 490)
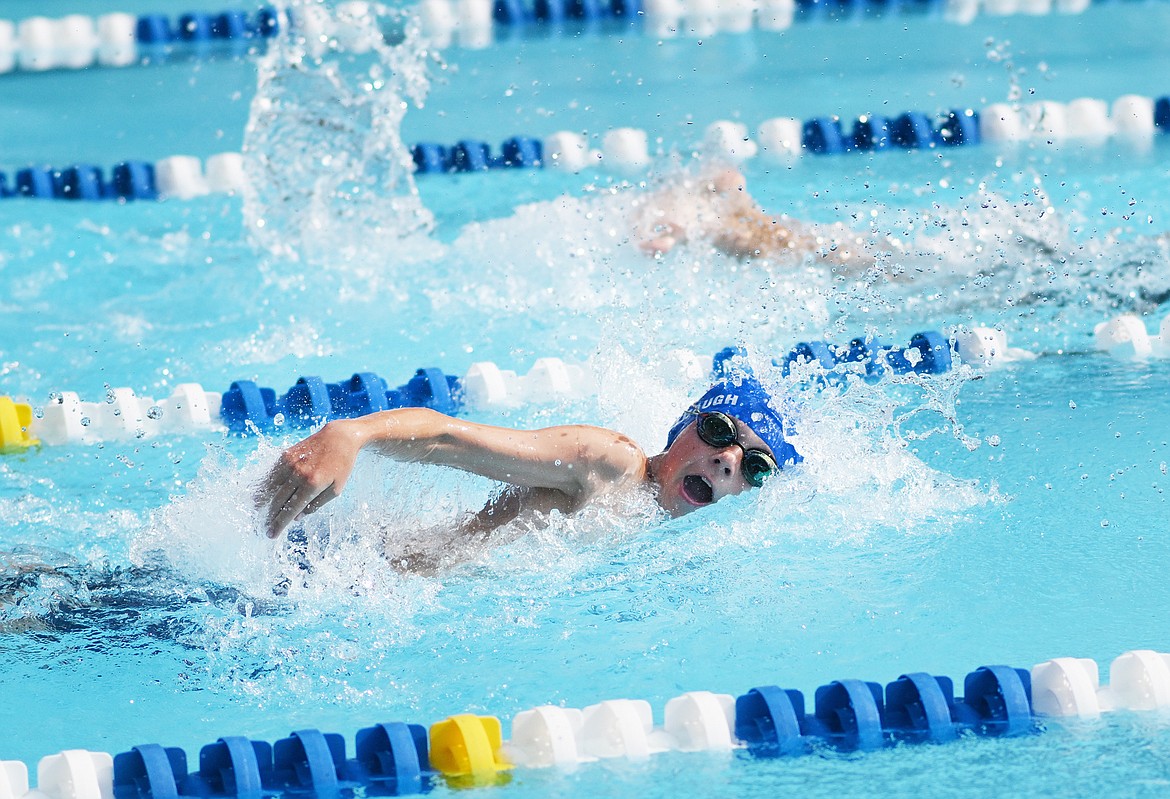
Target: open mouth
point(696, 490)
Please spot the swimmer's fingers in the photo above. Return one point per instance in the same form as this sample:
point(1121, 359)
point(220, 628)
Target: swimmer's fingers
point(286, 491)
point(302, 499)
point(316, 505)
point(282, 497)
point(308, 475)
point(276, 477)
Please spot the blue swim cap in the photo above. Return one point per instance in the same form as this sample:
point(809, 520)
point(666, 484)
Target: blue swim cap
point(745, 399)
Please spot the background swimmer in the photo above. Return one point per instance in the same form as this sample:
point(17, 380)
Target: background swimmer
point(717, 206)
point(730, 440)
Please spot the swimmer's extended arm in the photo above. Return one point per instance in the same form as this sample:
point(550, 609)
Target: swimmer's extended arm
point(573, 459)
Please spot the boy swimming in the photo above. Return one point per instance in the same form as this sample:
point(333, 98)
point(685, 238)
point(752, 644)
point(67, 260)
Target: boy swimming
point(728, 441)
point(716, 206)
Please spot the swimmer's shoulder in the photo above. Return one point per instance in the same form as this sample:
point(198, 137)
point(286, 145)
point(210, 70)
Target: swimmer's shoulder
point(610, 456)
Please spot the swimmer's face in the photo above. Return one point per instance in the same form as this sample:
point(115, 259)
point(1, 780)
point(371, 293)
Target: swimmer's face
point(693, 474)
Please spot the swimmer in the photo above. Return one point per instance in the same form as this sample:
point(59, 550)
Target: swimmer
point(730, 440)
point(716, 206)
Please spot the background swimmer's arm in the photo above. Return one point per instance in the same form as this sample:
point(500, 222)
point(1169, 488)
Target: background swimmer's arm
point(575, 459)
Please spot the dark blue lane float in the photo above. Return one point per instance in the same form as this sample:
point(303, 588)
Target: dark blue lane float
point(853, 715)
point(912, 130)
point(929, 353)
point(249, 408)
point(197, 27)
point(129, 180)
point(391, 759)
point(517, 13)
point(472, 155)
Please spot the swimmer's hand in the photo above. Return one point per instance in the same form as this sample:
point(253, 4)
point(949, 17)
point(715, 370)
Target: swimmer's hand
point(308, 475)
point(658, 246)
point(666, 236)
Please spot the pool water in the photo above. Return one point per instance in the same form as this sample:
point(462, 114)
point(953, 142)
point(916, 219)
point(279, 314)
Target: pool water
point(1006, 516)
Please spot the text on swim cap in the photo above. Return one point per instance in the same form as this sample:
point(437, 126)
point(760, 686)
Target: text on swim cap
point(719, 399)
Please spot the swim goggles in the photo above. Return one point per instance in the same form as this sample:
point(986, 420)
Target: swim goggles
point(719, 430)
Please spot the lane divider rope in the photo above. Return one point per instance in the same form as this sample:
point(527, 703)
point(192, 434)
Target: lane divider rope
point(180, 177)
point(1131, 118)
point(398, 758)
point(77, 41)
point(247, 408)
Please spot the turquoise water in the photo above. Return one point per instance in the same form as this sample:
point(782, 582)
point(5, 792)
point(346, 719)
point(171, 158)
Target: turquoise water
point(1029, 525)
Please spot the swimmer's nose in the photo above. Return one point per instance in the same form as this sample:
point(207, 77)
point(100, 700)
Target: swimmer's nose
point(728, 460)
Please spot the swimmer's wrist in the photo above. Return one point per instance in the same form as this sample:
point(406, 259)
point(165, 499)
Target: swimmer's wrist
point(358, 432)
point(382, 431)
point(374, 429)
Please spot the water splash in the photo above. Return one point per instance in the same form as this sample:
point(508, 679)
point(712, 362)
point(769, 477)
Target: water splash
point(1002, 249)
point(329, 179)
point(579, 258)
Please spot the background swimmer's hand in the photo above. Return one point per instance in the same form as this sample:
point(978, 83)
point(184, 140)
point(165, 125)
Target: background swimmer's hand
point(308, 475)
point(658, 246)
point(669, 235)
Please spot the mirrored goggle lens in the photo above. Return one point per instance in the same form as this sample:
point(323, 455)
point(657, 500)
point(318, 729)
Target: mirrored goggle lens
point(757, 467)
point(717, 430)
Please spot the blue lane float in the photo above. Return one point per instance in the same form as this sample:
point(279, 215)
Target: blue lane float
point(769, 720)
point(855, 715)
point(913, 130)
point(248, 408)
point(920, 707)
point(823, 136)
point(198, 26)
point(471, 155)
point(391, 759)
point(872, 132)
point(960, 127)
point(929, 353)
point(311, 763)
point(233, 767)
